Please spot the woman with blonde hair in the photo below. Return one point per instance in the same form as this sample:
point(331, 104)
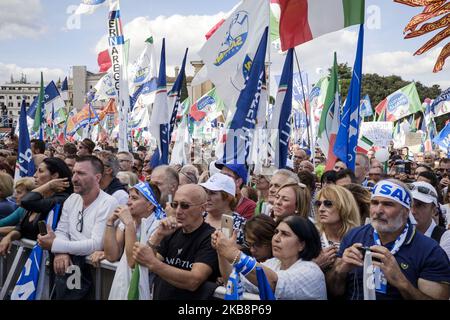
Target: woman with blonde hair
point(292, 199)
point(336, 213)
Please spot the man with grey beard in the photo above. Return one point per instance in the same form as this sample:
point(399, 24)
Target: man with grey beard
point(407, 265)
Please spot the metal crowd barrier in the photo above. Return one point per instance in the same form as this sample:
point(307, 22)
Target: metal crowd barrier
point(103, 276)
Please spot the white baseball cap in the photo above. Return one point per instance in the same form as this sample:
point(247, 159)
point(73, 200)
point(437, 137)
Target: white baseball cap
point(425, 192)
point(220, 182)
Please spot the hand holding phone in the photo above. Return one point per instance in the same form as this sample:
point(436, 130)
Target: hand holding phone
point(42, 228)
point(227, 225)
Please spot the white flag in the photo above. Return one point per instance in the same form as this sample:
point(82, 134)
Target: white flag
point(229, 52)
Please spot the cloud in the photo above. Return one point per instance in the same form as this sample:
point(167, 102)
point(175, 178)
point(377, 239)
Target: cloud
point(33, 74)
point(21, 18)
point(181, 32)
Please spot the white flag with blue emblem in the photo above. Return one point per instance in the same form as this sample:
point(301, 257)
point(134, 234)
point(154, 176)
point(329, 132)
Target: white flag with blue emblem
point(228, 53)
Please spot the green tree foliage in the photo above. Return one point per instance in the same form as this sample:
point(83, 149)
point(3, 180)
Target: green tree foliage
point(379, 87)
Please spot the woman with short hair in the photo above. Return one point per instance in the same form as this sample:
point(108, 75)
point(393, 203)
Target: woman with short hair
point(291, 273)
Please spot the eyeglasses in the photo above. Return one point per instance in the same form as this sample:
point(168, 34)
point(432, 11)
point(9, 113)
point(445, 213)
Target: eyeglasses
point(423, 190)
point(183, 205)
point(80, 221)
point(326, 203)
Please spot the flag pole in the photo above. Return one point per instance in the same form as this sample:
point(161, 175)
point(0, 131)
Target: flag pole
point(308, 114)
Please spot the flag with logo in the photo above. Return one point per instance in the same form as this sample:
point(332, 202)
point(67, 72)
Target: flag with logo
point(330, 118)
point(228, 53)
point(86, 116)
point(401, 103)
point(143, 70)
point(366, 107)
point(443, 139)
point(441, 105)
point(52, 101)
point(348, 133)
point(210, 105)
point(304, 20)
point(280, 124)
point(159, 121)
point(25, 164)
point(28, 286)
point(240, 133)
point(89, 6)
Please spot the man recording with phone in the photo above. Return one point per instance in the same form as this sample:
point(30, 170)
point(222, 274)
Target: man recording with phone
point(410, 265)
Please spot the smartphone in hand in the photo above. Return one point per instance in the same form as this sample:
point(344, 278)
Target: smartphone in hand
point(227, 225)
point(42, 228)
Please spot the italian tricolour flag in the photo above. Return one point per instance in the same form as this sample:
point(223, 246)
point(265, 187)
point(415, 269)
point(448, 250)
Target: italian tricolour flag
point(364, 145)
point(304, 20)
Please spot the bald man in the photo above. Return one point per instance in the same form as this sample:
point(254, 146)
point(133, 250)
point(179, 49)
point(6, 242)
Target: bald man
point(180, 252)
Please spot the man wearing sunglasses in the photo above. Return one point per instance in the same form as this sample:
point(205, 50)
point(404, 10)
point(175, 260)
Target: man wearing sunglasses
point(179, 252)
point(444, 173)
point(405, 264)
point(82, 224)
point(425, 206)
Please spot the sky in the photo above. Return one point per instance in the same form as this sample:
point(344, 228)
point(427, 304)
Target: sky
point(44, 35)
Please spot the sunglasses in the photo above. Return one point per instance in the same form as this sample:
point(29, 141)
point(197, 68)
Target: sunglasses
point(80, 221)
point(326, 203)
point(183, 205)
point(423, 190)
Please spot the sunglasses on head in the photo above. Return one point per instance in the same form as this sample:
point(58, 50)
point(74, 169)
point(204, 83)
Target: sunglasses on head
point(183, 205)
point(423, 190)
point(326, 203)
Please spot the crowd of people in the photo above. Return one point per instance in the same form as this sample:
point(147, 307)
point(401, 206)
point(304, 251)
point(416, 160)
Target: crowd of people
point(308, 229)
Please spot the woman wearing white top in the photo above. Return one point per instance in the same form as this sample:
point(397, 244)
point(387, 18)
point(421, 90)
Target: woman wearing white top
point(336, 213)
point(291, 273)
point(138, 220)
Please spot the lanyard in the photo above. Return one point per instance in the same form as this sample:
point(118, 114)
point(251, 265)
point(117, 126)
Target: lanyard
point(398, 242)
point(380, 279)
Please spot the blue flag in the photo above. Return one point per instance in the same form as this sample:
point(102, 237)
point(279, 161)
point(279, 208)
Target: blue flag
point(234, 289)
point(443, 139)
point(146, 88)
point(159, 122)
point(265, 291)
point(347, 137)
point(25, 163)
point(444, 96)
point(280, 124)
point(175, 94)
point(240, 132)
point(27, 285)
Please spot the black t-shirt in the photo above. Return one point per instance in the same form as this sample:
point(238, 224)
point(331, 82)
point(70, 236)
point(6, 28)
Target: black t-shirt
point(182, 250)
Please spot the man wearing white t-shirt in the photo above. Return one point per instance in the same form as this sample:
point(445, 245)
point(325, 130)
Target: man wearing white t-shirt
point(83, 218)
